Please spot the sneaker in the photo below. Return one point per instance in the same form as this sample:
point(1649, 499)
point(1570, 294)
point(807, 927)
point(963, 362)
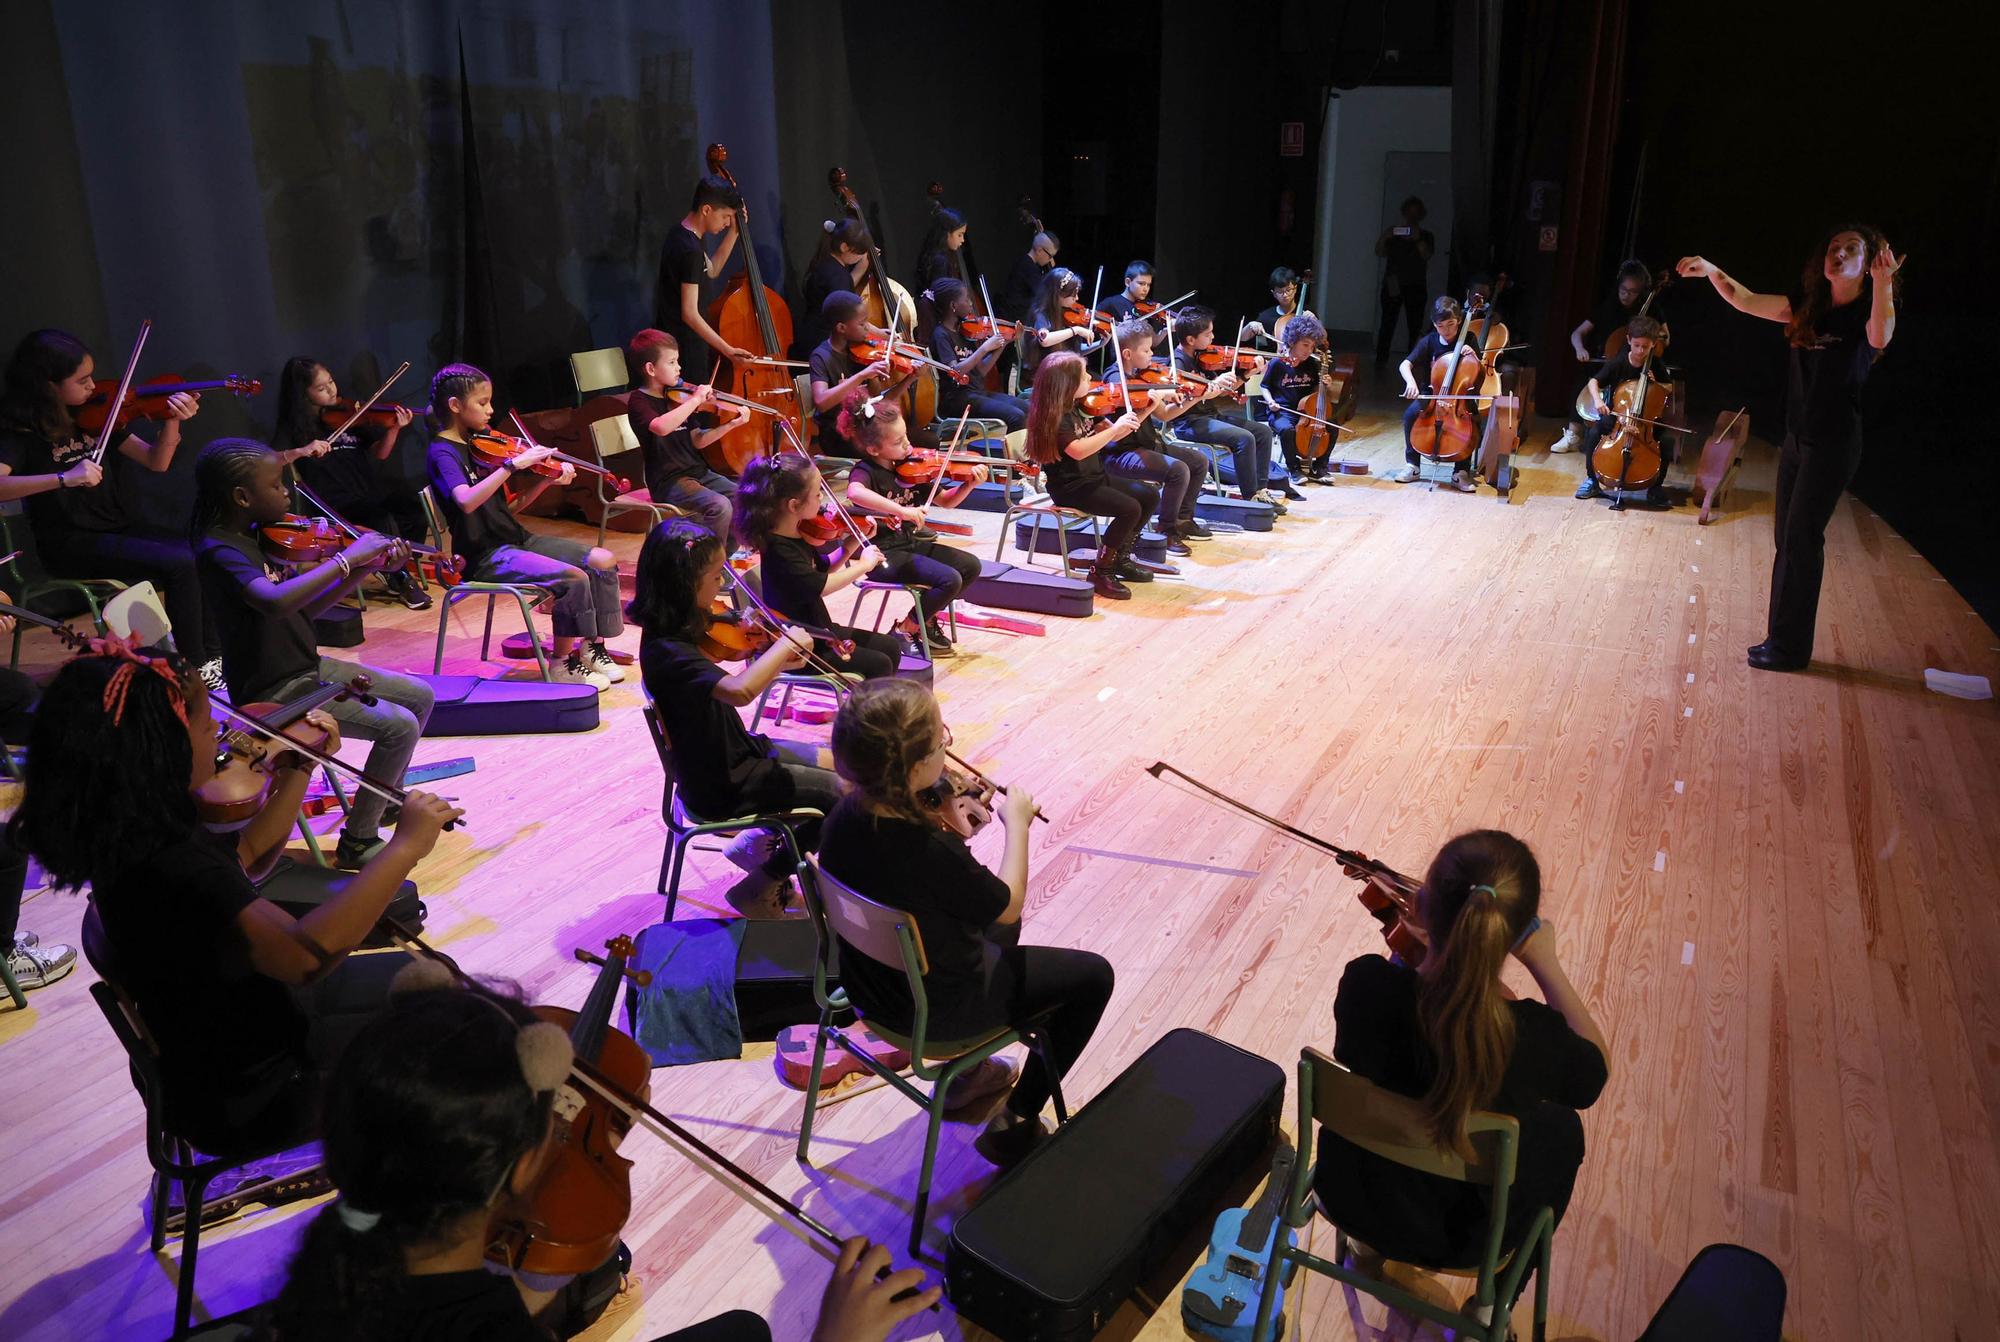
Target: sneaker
point(1285, 490)
point(211, 676)
point(1177, 546)
point(352, 853)
point(1193, 530)
point(1568, 442)
point(34, 965)
point(1322, 475)
point(971, 1097)
point(1406, 474)
point(1462, 482)
point(1276, 502)
point(410, 592)
point(1588, 489)
point(753, 849)
point(941, 644)
point(598, 658)
point(1009, 1145)
point(573, 670)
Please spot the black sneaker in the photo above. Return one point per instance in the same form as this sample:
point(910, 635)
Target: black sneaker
point(1192, 529)
point(1287, 491)
point(941, 643)
point(352, 854)
point(1009, 1146)
point(409, 591)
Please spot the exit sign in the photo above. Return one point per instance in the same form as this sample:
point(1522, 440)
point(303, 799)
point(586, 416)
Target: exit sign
point(1291, 139)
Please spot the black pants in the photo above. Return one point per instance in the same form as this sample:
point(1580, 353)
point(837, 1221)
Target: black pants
point(1122, 503)
point(13, 885)
point(1177, 471)
point(141, 555)
point(1009, 410)
point(1410, 413)
point(1811, 478)
point(939, 569)
point(739, 1325)
point(874, 656)
point(1411, 303)
point(1073, 987)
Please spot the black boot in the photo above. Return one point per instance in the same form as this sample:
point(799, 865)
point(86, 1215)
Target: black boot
point(1126, 567)
point(1104, 578)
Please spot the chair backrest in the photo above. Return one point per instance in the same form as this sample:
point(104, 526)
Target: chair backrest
point(665, 748)
point(11, 520)
point(595, 370)
point(611, 436)
point(137, 613)
point(875, 930)
point(434, 520)
point(1391, 1126)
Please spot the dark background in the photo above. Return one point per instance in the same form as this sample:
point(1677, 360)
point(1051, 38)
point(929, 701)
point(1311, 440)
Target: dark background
point(371, 181)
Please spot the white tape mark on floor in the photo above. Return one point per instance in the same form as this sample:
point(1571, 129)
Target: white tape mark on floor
point(1691, 638)
point(1106, 693)
point(1694, 568)
point(1687, 952)
point(1687, 712)
point(1680, 786)
point(1660, 860)
point(1690, 679)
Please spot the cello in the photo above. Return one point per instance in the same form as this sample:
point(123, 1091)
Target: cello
point(1629, 458)
point(749, 316)
point(1446, 429)
point(1587, 412)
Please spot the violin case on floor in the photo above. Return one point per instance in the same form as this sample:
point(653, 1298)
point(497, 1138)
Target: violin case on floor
point(300, 887)
point(340, 628)
point(476, 706)
point(1079, 533)
point(1234, 512)
point(1006, 587)
point(1123, 1195)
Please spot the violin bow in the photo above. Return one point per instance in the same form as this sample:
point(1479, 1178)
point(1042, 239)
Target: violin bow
point(118, 400)
point(366, 406)
point(777, 623)
point(321, 759)
point(1359, 865)
point(1272, 401)
point(1090, 313)
point(1000, 788)
point(964, 418)
point(992, 315)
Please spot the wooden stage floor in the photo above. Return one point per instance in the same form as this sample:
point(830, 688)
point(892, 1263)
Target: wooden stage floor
point(1776, 891)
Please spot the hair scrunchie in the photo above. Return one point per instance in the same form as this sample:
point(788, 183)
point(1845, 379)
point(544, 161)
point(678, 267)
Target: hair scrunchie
point(122, 649)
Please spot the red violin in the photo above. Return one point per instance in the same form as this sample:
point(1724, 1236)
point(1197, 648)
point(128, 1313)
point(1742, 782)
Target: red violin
point(148, 400)
point(343, 414)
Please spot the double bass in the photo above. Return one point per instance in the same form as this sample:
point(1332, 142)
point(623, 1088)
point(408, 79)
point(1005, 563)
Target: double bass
point(749, 316)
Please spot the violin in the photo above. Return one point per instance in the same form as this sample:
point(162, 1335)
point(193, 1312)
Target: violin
point(902, 357)
point(961, 803)
point(1163, 373)
point(1229, 358)
point(1106, 400)
point(314, 540)
point(345, 413)
point(985, 328)
point(925, 465)
point(738, 636)
point(1075, 314)
point(569, 1221)
point(680, 391)
point(246, 760)
point(832, 522)
point(494, 450)
point(148, 400)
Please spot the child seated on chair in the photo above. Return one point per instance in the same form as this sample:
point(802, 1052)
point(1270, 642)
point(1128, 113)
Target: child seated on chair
point(911, 555)
point(723, 769)
point(248, 1005)
point(269, 650)
point(439, 1121)
point(672, 435)
point(1450, 1035)
point(497, 548)
point(884, 842)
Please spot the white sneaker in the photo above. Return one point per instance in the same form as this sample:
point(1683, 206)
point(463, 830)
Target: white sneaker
point(598, 658)
point(1568, 442)
point(34, 965)
point(1462, 482)
point(1403, 475)
point(573, 670)
point(751, 849)
point(211, 676)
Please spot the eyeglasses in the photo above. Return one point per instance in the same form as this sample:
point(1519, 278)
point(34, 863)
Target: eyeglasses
point(944, 741)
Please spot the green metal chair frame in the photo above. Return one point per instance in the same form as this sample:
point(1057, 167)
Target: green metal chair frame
point(619, 430)
point(529, 596)
point(890, 936)
point(93, 591)
point(1391, 1126)
point(684, 827)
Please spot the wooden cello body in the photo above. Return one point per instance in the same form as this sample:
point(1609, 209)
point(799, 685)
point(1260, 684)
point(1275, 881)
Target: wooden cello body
point(749, 316)
point(1446, 429)
point(1629, 457)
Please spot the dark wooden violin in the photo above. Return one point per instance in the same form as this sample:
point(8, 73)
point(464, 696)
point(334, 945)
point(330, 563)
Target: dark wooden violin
point(494, 450)
point(902, 357)
point(1075, 314)
point(314, 540)
point(148, 400)
point(350, 414)
point(962, 798)
point(738, 636)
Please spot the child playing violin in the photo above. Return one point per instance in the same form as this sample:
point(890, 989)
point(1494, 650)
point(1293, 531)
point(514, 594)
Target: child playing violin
point(1289, 378)
point(1071, 449)
point(722, 768)
point(349, 471)
point(439, 1124)
point(1044, 326)
point(669, 436)
point(269, 651)
point(1446, 316)
point(1209, 419)
point(497, 548)
point(1643, 339)
point(248, 1005)
point(84, 525)
point(1124, 306)
point(835, 374)
point(889, 745)
point(1148, 454)
point(911, 556)
point(779, 493)
point(952, 302)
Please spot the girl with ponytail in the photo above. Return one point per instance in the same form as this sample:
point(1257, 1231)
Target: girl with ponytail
point(1452, 1037)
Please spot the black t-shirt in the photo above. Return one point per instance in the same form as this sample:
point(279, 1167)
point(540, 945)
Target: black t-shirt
point(1615, 370)
point(1019, 291)
point(57, 512)
point(1429, 350)
point(825, 276)
point(1288, 383)
point(1149, 436)
point(491, 525)
point(883, 480)
point(934, 877)
point(833, 367)
point(669, 456)
point(1407, 262)
point(230, 1038)
point(474, 1306)
point(259, 651)
point(1067, 472)
point(1377, 1035)
point(683, 260)
point(795, 580)
point(1610, 315)
point(947, 346)
point(1120, 307)
point(1823, 385)
point(723, 768)
point(341, 476)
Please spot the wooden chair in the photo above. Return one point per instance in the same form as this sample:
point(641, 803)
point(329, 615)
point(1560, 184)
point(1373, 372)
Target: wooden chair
point(890, 937)
point(528, 596)
point(1391, 1126)
point(596, 371)
point(608, 438)
point(684, 827)
point(175, 1160)
point(32, 586)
